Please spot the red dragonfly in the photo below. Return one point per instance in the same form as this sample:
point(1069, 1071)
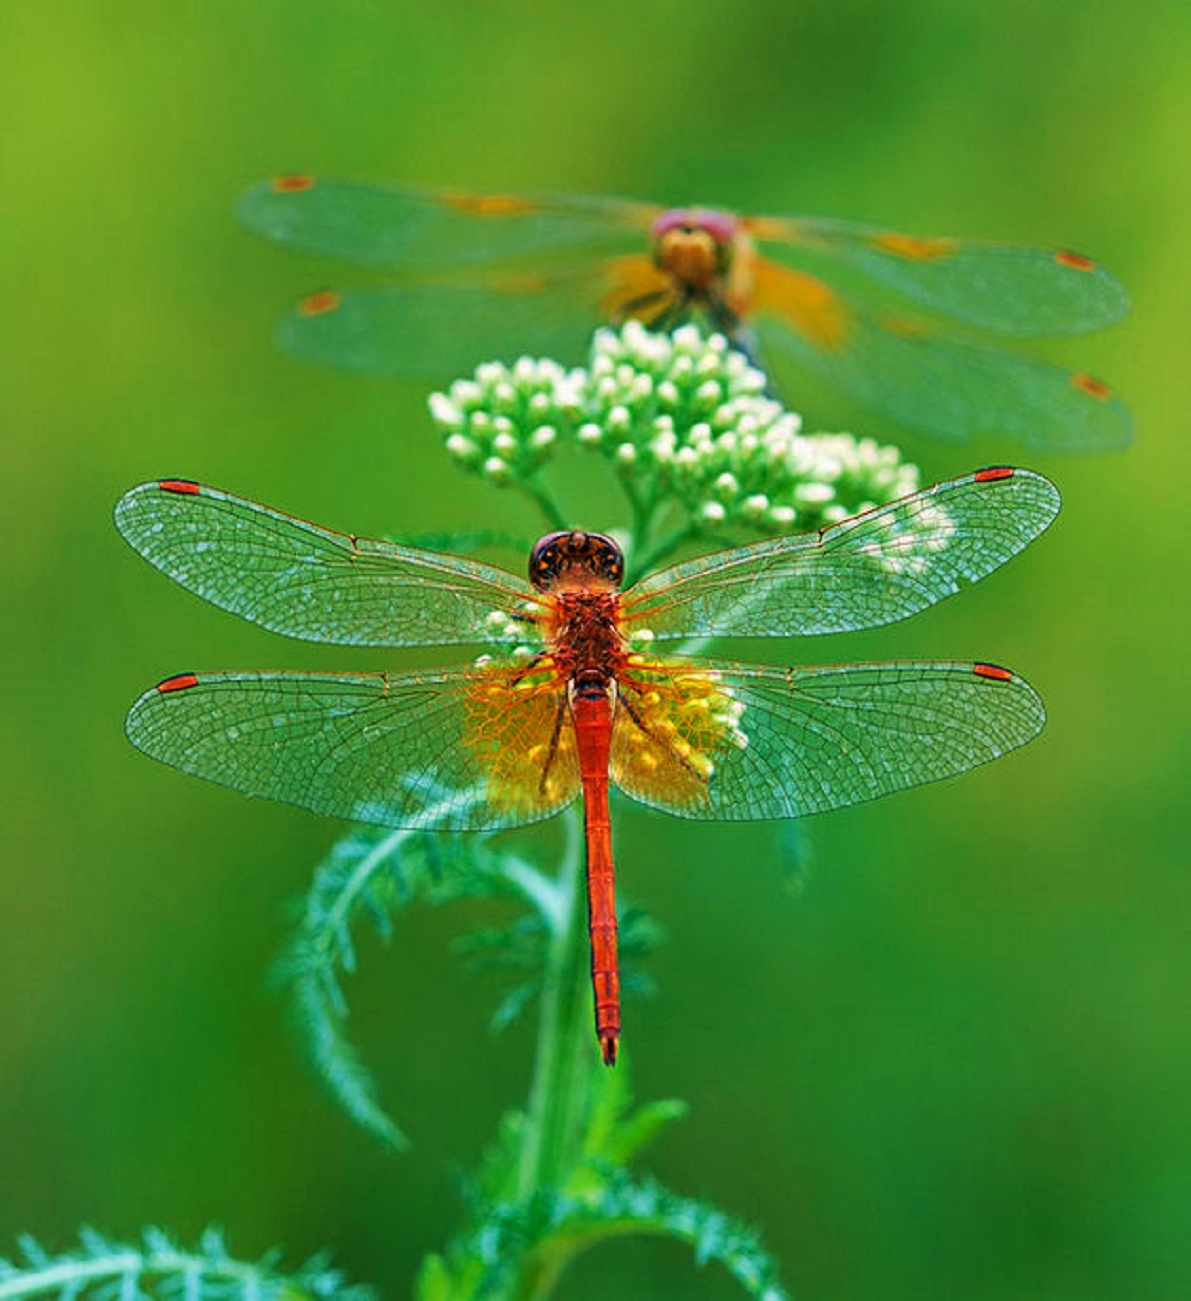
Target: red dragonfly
point(896, 320)
point(585, 700)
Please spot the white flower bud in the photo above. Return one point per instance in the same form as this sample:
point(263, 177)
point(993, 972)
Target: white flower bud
point(814, 494)
point(618, 420)
point(461, 448)
point(444, 410)
point(687, 338)
point(700, 434)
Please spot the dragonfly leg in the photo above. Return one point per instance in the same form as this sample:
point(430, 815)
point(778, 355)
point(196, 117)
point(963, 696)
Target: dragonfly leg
point(543, 659)
point(639, 304)
point(643, 727)
point(559, 715)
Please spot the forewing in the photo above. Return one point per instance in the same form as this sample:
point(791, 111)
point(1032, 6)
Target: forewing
point(439, 330)
point(873, 569)
point(927, 379)
point(736, 742)
point(1001, 288)
point(415, 229)
point(459, 749)
point(296, 578)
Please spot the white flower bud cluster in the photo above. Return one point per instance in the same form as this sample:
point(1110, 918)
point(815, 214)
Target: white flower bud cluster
point(645, 392)
point(503, 424)
point(691, 413)
point(683, 414)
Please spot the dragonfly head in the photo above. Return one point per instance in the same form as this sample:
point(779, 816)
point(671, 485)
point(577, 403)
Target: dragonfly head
point(575, 559)
point(694, 245)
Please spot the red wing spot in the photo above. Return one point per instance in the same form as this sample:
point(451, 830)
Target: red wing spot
point(1076, 261)
point(293, 184)
point(326, 300)
point(993, 473)
point(184, 487)
point(1093, 387)
point(992, 671)
point(178, 683)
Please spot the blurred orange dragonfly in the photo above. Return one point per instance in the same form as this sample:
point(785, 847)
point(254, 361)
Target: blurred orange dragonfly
point(577, 697)
point(895, 320)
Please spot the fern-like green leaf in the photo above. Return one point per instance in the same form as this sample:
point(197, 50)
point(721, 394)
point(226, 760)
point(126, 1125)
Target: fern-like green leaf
point(523, 1248)
point(157, 1267)
point(613, 1132)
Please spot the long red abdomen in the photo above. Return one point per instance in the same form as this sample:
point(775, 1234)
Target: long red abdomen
point(593, 732)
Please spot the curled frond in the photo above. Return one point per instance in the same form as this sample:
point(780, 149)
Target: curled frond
point(372, 874)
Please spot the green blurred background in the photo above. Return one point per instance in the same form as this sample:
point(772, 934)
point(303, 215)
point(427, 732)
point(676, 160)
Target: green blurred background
point(955, 1064)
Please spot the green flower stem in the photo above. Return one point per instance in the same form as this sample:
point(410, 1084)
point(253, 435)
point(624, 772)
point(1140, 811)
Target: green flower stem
point(664, 549)
point(557, 1098)
point(555, 517)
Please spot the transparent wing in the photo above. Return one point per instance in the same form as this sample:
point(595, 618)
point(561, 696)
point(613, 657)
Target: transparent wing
point(309, 582)
point(738, 742)
point(439, 330)
point(1001, 288)
point(873, 569)
point(459, 749)
point(927, 379)
point(416, 229)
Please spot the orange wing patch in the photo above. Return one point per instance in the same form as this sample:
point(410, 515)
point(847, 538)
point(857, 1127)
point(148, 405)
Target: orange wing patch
point(915, 248)
point(522, 740)
point(292, 184)
point(672, 726)
point(810, 306)
point(490, 205)
point(905, 327)
point(517, 282)
point(633, 279)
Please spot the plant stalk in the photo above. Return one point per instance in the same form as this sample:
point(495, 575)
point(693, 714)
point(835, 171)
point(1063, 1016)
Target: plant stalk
point(558, 1093)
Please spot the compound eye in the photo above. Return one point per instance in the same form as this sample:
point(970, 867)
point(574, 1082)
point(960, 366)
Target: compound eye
point(543, 559)
point(609, 557)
